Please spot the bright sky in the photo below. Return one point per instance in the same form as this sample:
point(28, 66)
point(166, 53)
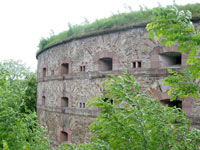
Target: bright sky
point(24, 22)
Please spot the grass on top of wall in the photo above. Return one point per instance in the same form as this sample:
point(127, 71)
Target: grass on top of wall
point(116, 20)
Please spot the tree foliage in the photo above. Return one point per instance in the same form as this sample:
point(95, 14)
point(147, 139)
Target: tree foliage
point(19, 130)
point(131, 120)
point(17, 74)
point(174, 27)
point(30, 84)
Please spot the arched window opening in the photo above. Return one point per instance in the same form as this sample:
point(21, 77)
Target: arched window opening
point(44, 72)
point(83, 105)
point(63, 136)
point(64, 102)
point(170, 59)
point(43, 100)
point(65, 68)
point(105, 64)
point(175, 103)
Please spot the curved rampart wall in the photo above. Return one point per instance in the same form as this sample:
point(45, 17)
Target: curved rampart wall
point(74, 70)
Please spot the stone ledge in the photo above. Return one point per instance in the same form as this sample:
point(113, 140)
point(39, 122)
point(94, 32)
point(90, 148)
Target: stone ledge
point(71, 111)
point(153, 72)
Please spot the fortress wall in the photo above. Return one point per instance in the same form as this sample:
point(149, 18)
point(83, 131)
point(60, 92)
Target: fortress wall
point(124, 48)
point(128, 46)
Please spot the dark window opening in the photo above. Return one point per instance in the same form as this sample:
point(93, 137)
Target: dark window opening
point(175, 103)
point(83, 105)
point(64, 102)
point(80, 105)
point(134, 64)
point(105, 64)
point(63, 136)
point(139, 64)
point(170, 59)
point(82, 68)
point(44, 72)
point(106, 99)
point(43, 100)
point(65, 68)
point(178, 60)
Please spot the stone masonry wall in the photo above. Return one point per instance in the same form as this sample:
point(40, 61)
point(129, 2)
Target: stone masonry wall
point(125, 49)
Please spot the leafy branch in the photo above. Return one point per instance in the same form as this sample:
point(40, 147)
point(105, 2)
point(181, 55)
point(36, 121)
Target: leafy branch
point(174, 28)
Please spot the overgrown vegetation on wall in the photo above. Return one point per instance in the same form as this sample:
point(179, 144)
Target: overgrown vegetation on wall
point(117, 20)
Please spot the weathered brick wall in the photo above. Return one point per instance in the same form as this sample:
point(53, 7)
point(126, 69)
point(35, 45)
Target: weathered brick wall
point(123, 47)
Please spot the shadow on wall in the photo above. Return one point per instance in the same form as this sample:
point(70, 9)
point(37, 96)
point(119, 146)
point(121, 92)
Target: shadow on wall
point(176, 103)
point(105, 64)
point(170, 59)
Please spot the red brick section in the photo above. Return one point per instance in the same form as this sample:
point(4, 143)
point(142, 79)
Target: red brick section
point(66, 61)
point(184, 59)
point(43, 74)
point(64, 102)
point(186, 103)
point(106, 54)
point(187, 106)
point(155, 61)
point(60, 136)
point(70, 101)
point(69, 96)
